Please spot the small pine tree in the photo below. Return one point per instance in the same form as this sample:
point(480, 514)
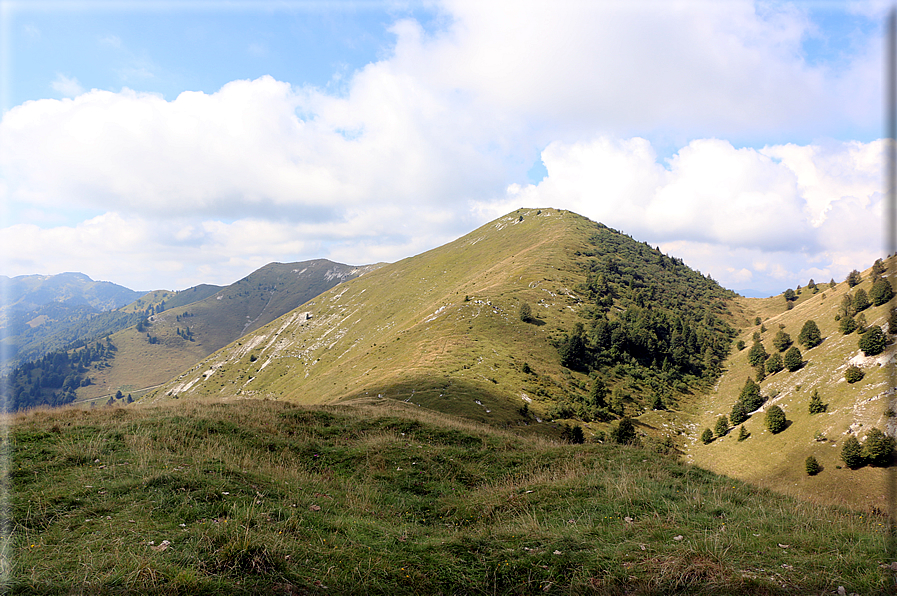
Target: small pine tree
point(722, 426)
point(852, 453)
point(624, 433)
point(811, 465)
point(832, 283)
point(793, 359)
point(892, 322)
point(789, 295)
point(760, 372)
point(775, 419)
point(816, 406)
point(878, 448)
point(881, 292)
point(878, 268)
point(707, 436)
point(526, 313)
point(861, 301)
point(756, 320)
point(847, 325)
point(739, 413)
point(750, 396)
point(781, 341)
point(774, 363)
point(853, 374)
point(757, 354)
point(873, 341)
point(573, 434)
point(739, 345)
point(854, 278)
point(810, 336)
point(598, 394)
point(658, 404)
point(742, 434)
point(130, 399)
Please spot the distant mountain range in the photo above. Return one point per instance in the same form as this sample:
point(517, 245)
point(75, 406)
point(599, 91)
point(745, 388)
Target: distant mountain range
point(43, 313)
point(161, 332)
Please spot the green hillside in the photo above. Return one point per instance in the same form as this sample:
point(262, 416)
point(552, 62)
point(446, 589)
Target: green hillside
point(40, 314)
point(778, 460)
point(183, 327)
point(267, 497)
point(444, 330)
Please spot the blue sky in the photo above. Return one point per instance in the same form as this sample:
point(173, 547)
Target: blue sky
point(198, 141)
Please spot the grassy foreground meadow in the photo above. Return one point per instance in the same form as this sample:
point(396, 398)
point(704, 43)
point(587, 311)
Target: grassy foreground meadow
point(258, 496)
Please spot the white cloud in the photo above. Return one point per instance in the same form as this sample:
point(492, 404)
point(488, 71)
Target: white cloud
point(416, 149)
point(65, 86)
point(768, 217)
point(111, 40)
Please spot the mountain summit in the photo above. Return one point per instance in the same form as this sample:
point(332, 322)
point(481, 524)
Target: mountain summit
point(487, 327)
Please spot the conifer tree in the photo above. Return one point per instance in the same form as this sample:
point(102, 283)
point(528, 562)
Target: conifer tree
point(774, 363)
point(750, 396)
point(873, 341)
point(793, 359)
point(739, 413)
point(847, 325)
point(722, 426)
point(742, 434)
point(854, 278)
point(757, 354)
point(878, 448)
point(810, 336)
point(881, 292)
point(811, 465)
point(861, 301)
point(775, 419)
point(781, 341)
point(853, 374)
point(598, 394)
point(816, 406)
point(852, 453)
point(624, 433)
point(707, 436)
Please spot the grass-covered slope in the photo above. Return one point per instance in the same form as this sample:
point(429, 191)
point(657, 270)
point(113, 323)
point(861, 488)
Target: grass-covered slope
point(444, 329)
point(180, 331)
point(267, 497)
point(778, 460)
point(43, 313)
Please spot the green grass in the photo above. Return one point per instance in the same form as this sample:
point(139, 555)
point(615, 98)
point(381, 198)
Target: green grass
point(258, 496)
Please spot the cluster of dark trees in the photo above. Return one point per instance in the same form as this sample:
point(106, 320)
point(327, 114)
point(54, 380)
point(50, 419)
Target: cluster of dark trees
point(53, 379)
point(648, 314)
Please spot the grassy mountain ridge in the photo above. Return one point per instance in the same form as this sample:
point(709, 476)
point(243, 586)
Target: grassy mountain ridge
point(184, 327)
point(268, 497)
point(777, 460)
point(443, 329)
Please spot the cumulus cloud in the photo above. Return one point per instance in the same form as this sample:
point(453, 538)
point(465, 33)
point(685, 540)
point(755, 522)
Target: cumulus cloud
point(65, 86)
point(420, 147)
point(777, 215)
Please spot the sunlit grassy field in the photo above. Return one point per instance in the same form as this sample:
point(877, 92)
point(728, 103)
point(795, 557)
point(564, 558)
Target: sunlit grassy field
point(257, 496)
